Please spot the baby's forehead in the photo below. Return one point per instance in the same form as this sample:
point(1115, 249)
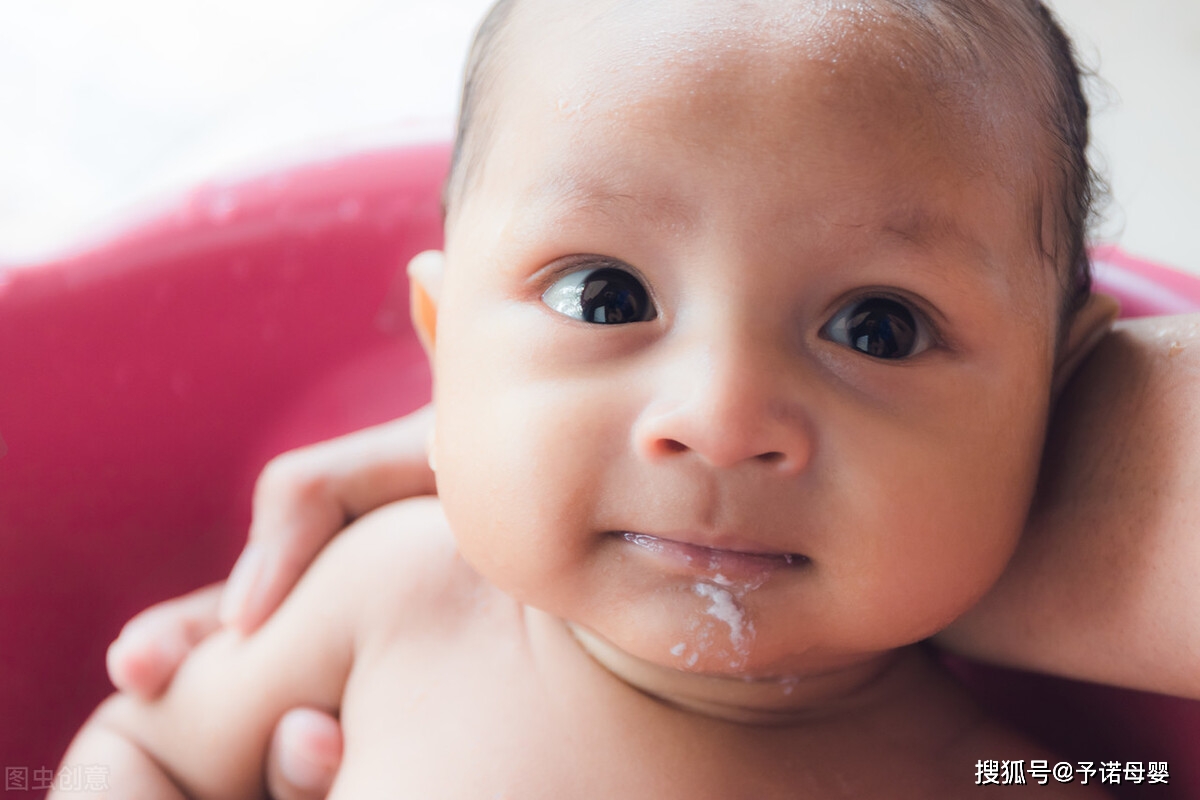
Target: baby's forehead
point(672, 27)
point(909, 35)
point(589, 63)
point(550, 41)
point(584, 64)
point(584, 52)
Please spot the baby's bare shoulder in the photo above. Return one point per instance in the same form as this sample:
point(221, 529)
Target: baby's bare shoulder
point(399, 568)
point(409, 529)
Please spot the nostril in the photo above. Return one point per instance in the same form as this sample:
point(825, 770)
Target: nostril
point(672, 446)
point(774, 457)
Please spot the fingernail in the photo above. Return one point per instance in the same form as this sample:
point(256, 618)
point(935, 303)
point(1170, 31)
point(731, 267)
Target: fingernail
point(243, 581)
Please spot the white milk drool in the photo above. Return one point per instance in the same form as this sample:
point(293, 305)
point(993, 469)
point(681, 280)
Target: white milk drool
point(722, 606)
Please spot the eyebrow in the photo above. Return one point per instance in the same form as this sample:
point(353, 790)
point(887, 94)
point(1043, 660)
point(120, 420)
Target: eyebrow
point(920, 225)
point(563, 195)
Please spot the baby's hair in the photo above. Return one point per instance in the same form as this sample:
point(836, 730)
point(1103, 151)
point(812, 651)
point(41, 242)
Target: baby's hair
point(988, 39)
point(479, 77)
point(982, 39)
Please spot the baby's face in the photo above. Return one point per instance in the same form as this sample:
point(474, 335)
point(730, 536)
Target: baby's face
point(744, 353)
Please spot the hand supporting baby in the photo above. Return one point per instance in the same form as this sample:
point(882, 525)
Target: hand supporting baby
point(302, 499)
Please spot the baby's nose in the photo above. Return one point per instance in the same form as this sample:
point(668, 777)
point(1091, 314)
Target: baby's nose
point(728, 406)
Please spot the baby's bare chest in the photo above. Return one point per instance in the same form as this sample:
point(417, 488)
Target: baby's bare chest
point(480, 716)
point(478, 719)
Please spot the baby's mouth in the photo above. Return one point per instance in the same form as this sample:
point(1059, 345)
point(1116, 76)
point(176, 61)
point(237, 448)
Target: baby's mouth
point(715, 562)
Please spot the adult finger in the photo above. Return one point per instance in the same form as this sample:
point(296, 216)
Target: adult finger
point(305, 753)
point(304, 497)
point(144, 656)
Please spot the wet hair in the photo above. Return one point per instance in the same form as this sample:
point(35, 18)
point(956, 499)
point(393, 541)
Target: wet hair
point(980, 41)
point(1023, 44)
point(474, 121)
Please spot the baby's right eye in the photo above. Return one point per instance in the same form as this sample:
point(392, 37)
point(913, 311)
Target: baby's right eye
point(604, 295)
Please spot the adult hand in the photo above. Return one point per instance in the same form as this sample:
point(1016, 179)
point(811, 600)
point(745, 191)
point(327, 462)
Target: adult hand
point(304, 497)
point(306, 751)
point(306, 748)
point(301, 501)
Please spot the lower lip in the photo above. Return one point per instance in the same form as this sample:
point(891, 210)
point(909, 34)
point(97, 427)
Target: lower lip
point(732, 564)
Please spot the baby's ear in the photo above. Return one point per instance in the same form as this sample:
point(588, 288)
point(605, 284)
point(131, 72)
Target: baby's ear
point(425, 290)
point(1087, 328)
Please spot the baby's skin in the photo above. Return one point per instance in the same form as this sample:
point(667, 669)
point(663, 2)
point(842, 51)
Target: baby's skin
point(450, 688)
point(744, 351)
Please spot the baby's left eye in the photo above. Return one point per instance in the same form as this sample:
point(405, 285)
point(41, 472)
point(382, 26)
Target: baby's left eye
point(880, 327)
point(607, 296)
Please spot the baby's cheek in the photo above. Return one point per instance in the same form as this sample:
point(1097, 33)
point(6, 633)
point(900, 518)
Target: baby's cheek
point(512, 498)
point(944, 542)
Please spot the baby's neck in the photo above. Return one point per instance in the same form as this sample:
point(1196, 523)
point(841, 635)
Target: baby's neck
point(781, 700)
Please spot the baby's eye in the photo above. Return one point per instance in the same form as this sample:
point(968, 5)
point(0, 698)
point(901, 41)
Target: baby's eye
point(880, 327)
point(606, 295)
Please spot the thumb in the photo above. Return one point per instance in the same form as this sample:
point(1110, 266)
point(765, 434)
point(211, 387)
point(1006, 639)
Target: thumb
point(305, 754)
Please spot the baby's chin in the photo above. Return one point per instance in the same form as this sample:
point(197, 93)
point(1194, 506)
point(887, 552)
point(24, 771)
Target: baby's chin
point(737, 689)
point(704, 630)
point(709, 652)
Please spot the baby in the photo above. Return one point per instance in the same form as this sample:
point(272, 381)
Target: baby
point(744, 343)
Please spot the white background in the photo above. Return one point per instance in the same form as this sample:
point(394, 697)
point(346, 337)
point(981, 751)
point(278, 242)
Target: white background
point(106, 105)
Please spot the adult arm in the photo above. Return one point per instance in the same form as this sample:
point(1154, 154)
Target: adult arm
point(1103, 585)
